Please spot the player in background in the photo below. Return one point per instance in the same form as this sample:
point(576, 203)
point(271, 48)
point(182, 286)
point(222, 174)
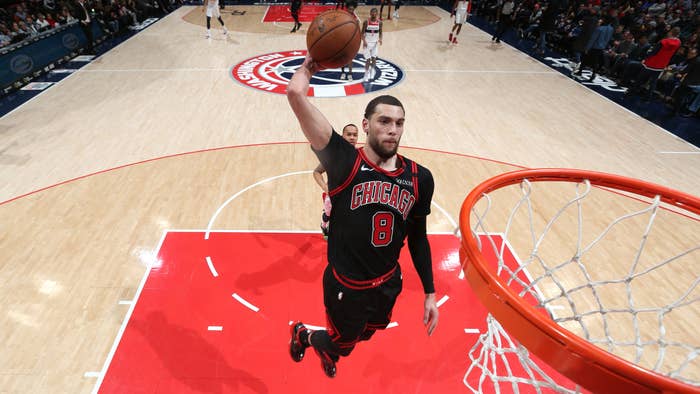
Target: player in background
point(350, 135)
point(212, 7)
point(294, 8)
point(381, 9)
point(460, 10)
point(371, 39)
point(351, 6)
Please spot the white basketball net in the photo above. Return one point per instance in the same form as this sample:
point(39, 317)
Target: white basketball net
point(657, 333)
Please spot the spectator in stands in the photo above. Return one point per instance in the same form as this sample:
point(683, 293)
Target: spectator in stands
point(522, 14)
point(5, 36)
point(127, 16)
point(628, 66)
point(29, 26)
point(26, 29)
point(42, 23)
point(52, 21)
point(589, 18)
point(655, 63)
point(657, 8)
point(505, 19)
point(534, 22)
point(619, 50)
point(112, 20)
point(689, 89)
point(595, 47)
point(692, 41)
point(21, 13)
point(671, 77)
point(83, 15)
point(66, 17)
point(547, 25)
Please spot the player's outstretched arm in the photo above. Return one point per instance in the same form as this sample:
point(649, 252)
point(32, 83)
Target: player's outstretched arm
point(318, 177)
point(419, 247)
point(430, 313)
point(315, 126)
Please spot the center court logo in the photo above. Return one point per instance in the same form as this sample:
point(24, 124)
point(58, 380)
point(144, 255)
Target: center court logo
point(271, 73)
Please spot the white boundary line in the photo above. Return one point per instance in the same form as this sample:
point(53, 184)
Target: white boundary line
point(218, 211)
point(266, 180)
point(484, 71)
point(120, 333)
point(246, 303)
point(137, 70)
point(211, 267)
point(447, 215)
point(132, 304)
point(265, 14)
point(442, 300)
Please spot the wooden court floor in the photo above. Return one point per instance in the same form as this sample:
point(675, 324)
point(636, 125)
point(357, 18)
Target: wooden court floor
point(156, 135)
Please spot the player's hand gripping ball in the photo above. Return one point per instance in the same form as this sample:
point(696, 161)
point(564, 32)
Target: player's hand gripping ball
point(333, 38)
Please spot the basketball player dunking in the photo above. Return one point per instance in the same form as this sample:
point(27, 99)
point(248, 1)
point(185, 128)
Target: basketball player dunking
point(371, 39)
point(380, 199)
point(212, 7)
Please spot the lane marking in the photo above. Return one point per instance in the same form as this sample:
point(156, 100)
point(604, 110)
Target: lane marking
point(211, 267)
point(246, 303)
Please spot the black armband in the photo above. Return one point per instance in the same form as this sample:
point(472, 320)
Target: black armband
point(419, 247)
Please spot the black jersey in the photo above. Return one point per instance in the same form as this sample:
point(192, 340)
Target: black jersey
point(371, 208)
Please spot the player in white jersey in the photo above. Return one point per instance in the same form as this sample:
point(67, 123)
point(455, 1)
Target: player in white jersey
point(371, 39)
point(460, 9)
point(351, 6)
point(212, 7)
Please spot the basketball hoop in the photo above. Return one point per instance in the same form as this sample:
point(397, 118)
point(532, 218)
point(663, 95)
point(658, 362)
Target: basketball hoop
point(608, 288)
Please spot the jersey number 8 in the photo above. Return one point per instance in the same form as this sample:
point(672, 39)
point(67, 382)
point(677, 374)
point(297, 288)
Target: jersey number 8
point(382, 228)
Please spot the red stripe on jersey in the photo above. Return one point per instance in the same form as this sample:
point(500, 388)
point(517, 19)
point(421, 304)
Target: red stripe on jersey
point(414, 170)
point(398, 171)
point(330, 328)
point(363, 284)
point(345, 184)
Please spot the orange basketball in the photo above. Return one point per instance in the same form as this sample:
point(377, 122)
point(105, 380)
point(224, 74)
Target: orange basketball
point(333, 38)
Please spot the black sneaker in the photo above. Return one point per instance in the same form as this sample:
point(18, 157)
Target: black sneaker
point(296, 348)
point(327, 363)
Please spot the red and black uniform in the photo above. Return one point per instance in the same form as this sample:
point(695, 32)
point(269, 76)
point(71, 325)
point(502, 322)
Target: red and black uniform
point(373, 210)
